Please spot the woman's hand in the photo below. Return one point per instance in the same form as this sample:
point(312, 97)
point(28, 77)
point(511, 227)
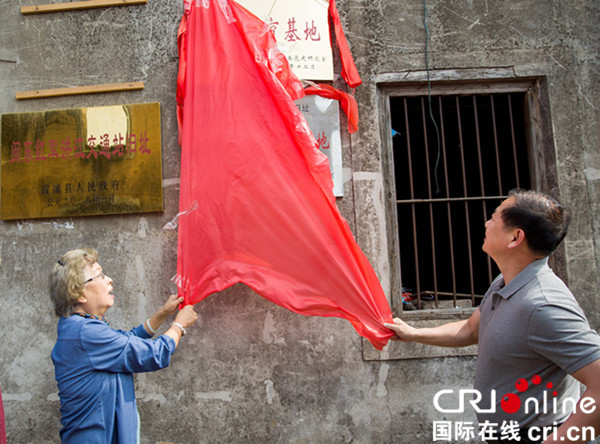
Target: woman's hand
point(171, 305)
point(186, 316)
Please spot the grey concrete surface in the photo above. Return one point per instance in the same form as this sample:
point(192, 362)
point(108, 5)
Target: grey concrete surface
point(250, 371)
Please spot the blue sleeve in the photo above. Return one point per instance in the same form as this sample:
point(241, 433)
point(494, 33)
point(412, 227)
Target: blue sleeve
point(124, 352)
point(138, 331)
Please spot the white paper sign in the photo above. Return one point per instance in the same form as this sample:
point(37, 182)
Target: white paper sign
point(301, 29)
point(323, 118)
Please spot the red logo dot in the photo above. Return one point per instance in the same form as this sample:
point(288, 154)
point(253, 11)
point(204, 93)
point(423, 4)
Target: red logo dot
point(522, 385)
point(510, 403)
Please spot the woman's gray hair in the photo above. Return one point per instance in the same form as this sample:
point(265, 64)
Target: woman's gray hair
point(67, 278)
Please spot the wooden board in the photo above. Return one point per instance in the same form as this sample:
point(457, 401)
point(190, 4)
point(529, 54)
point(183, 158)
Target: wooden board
point(73, 6)
point(92, 89)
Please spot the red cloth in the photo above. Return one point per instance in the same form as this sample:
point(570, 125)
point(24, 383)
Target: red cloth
point(2, 425)
point(266, 215)
point(349, 71)
point(346, 100)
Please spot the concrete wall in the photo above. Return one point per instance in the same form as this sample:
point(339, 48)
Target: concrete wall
point(250, 371)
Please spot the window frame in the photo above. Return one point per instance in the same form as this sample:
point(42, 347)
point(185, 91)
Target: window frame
point(542, 164)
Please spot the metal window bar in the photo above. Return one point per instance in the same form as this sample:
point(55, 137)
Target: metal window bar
point(431, 202)
point(481, 181)
point(514, 141)
point(448, 209)
point(412, 196)
point(465, 193)
point(496, 150)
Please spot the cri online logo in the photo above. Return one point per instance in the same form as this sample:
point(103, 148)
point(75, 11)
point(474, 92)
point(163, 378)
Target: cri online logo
point(512, 403)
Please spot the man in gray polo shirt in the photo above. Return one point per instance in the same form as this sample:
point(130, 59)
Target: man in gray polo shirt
point(531, 332)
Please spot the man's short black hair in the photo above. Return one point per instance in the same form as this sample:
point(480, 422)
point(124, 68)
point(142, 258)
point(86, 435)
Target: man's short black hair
point(542, 218)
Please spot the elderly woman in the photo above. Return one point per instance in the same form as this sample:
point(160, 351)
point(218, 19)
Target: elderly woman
point(94, 364)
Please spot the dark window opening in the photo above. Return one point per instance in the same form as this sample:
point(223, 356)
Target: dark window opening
point(448, 183)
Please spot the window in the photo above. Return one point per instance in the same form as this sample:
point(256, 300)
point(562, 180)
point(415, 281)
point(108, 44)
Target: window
point(454, 143)
point(456, 157)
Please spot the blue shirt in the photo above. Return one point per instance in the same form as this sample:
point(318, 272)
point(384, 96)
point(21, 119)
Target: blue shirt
point(94, 367)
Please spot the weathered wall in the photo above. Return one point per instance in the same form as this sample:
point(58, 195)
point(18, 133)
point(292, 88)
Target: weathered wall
point(250, 371)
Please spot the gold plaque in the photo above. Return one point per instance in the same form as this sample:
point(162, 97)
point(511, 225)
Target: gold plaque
point(81, 162)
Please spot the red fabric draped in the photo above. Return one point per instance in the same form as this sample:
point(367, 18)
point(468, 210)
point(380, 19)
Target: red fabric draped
point(265, 211)
point(349, 71)
point(347, 102)
point(2, 424)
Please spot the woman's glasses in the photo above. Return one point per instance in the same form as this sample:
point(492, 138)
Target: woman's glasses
point(102, 275)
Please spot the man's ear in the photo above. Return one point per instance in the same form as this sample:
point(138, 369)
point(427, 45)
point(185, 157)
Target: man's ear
point(518, 238)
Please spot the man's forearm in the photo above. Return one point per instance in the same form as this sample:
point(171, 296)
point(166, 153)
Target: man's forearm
point(454, 334)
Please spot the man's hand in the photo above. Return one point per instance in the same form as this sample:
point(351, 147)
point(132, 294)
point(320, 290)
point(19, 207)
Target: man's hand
point(453, 334)
point(402, 329)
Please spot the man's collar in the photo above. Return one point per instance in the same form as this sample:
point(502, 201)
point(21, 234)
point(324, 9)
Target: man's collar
point(526, 275)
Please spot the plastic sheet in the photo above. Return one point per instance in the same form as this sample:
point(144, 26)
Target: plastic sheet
point(172, 224)
point(266, 212)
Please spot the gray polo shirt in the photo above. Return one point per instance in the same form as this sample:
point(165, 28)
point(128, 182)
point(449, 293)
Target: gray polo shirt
point(532, 335)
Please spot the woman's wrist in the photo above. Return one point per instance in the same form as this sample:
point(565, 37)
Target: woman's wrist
point(181, 327)
point(150, 328)
point(158, 318)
